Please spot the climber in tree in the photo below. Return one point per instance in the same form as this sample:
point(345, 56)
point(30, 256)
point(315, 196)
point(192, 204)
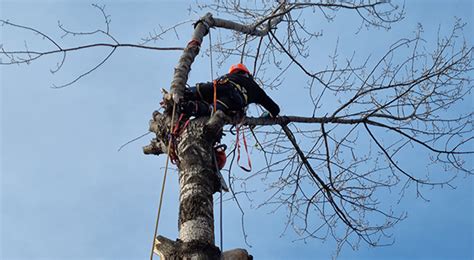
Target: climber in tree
point(230, 93)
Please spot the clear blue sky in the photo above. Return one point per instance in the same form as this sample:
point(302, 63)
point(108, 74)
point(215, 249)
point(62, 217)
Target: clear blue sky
point(66, 193)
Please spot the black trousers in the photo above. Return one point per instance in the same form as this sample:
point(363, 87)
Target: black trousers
point(199, 100)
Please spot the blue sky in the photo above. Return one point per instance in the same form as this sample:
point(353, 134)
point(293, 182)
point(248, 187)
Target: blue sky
point(66, 193)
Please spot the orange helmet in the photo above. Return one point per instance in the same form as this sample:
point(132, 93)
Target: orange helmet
point(236, 67)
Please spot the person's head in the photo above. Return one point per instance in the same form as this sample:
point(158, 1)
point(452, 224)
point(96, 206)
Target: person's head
point(238, 68)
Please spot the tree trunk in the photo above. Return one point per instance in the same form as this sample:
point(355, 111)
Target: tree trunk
point(197, 182)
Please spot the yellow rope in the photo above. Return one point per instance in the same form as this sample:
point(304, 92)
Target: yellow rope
point(163, 185)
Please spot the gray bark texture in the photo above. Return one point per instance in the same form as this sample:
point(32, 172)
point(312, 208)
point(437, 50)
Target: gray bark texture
point(183, 68)
point(197, 181)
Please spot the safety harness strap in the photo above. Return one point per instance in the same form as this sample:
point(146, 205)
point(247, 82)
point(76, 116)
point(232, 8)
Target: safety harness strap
point(241, 90)
point(225, 80)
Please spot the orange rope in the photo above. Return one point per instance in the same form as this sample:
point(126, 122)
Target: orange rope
point(214, 83)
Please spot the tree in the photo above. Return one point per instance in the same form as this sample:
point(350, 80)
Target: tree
point(330, 176)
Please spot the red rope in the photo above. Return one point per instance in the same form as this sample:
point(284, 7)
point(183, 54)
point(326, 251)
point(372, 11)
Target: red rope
point(237, 141)
point(177, 131)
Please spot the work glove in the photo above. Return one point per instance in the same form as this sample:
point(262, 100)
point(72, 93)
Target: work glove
point(265, 114)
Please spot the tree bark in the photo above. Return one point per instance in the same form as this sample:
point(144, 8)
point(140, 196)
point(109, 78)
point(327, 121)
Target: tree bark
point(183, 68)
point(197, 182)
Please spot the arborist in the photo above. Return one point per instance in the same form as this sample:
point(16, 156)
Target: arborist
point(230, 93)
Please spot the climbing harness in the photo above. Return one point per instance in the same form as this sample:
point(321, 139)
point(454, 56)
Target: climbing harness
point(163, 185)
point(242, 91)
point(220, 155)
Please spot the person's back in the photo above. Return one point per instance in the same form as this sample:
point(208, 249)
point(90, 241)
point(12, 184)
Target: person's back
point(230, 93)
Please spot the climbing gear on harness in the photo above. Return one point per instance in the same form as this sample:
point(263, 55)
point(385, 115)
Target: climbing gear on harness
point(220, 155)
point(222, 185)
point(238, 67)
point(239, 128)
point(163, 185)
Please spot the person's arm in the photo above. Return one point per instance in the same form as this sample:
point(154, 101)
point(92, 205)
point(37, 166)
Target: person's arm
point(269, 105)
point(264, 100)
point(255, 93)
point(260, 97)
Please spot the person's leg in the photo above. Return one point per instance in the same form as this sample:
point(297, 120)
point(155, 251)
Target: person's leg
point(191, 94)
point(195, 108)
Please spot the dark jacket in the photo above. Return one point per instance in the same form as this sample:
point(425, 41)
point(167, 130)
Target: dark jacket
point(241, 84)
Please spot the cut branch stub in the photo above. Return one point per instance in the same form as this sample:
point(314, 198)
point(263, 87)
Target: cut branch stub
point(215, 124)
point(166, 248)
point(160, 125)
